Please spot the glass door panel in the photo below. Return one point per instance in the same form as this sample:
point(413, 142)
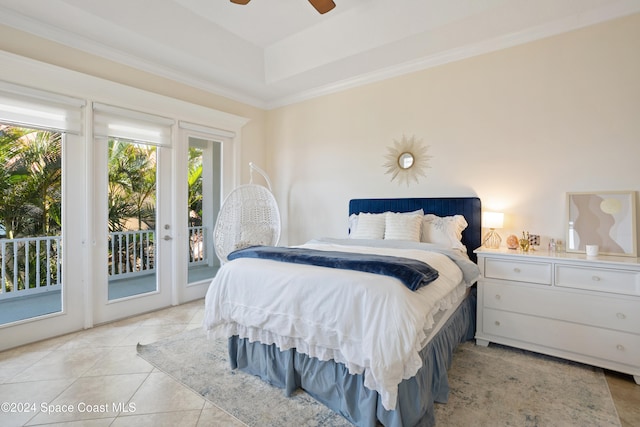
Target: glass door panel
point(30, 223)
point(204, 180)
point(131, 219)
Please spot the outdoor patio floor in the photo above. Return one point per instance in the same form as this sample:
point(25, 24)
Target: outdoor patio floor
point(20, 308)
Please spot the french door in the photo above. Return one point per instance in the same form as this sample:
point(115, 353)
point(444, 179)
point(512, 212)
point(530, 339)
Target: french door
point(133, 256)
point(42, 215)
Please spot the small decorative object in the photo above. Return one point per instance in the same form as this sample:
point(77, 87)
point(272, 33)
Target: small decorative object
point(534, 241)
point(524, 242)
point(407, 160)
point(512, 242)
point(552, 246)
point(492, 220)
point(592, 250)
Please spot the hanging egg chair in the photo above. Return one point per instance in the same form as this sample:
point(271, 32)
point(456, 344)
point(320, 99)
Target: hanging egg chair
point(249, 216)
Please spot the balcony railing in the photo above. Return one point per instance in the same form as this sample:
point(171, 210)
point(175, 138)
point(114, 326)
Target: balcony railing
point(30, 265)
point(131, 253)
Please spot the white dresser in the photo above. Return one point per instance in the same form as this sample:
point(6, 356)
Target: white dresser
point(564, 305)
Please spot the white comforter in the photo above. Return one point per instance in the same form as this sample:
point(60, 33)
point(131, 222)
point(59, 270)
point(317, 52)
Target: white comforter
point(368, 322)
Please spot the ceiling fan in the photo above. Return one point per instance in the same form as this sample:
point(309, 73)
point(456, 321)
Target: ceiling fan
point(322, 6)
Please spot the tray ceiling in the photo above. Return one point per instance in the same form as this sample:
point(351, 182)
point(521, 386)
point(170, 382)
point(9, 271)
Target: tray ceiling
point(274, 52)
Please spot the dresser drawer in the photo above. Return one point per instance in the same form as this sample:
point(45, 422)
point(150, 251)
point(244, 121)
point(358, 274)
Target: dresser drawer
point(618, 313)
point(598, 279)
point(605, 344)
point(519, 271)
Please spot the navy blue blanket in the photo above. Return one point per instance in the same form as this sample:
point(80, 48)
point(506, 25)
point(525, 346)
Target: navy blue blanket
point(413, 273)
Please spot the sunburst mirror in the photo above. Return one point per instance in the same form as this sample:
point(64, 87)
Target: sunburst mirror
point(407, 160)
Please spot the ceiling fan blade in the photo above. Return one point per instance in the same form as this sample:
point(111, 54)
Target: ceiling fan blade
point(240, 1)
point(323, 6)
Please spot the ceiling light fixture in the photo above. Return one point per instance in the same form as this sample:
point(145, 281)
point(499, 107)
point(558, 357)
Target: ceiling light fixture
point(322, 6)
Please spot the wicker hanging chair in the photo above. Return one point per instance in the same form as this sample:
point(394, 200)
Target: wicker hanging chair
point(249, 216)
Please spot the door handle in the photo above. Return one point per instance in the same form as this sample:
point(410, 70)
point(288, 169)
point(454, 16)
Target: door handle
point(168, 238)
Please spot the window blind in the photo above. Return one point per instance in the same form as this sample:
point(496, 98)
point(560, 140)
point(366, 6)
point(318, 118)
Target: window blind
point(206, 130)
point(33, 108)
point(117, 122)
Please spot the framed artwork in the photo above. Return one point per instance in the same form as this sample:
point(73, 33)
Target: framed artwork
point(606, 219)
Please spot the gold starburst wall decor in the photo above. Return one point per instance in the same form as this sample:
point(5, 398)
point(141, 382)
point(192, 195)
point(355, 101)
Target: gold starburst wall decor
point(407, 160)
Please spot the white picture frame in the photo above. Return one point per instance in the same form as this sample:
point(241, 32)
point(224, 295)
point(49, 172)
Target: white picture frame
point(603, 218)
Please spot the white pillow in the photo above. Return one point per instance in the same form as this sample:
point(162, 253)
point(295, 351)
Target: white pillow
point(445, 231)
point(403, 227)
point(353, 219)
point(369, 226)
point(353, 223)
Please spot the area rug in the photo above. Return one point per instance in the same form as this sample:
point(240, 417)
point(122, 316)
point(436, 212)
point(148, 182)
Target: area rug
point(490, 386)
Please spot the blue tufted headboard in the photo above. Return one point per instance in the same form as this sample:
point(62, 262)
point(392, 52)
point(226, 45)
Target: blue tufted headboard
point(469, 207)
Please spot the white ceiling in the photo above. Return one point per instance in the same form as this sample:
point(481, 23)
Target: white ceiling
point(274, 52)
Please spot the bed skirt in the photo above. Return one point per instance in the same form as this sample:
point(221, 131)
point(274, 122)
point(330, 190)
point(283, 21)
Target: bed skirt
point(331, 384)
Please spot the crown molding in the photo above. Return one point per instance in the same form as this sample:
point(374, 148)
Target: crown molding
point(266, 102)
point(551, 29)
point(93, 47)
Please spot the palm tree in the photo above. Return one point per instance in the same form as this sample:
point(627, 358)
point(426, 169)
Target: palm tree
point(41, 161)
point(132, 184)
point(30, 181)
point(195, 186)
point(8, 136)
point(30, 199)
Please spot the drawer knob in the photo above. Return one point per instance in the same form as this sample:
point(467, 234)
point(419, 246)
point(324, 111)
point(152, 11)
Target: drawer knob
point(595, 278)
point(497, 296)
point(621, 316)
point(497, 323)
point(516, 270)
point(620, 347)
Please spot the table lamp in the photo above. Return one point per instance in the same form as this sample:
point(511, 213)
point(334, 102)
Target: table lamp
point(492, 220)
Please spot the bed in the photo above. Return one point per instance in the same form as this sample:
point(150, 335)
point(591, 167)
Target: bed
point(358, 341)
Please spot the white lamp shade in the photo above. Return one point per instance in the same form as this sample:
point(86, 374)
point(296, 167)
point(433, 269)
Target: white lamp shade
point(492, 219)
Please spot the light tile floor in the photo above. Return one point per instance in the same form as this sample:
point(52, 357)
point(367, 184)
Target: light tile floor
point(95, 378)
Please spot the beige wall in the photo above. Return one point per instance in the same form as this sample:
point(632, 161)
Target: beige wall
point(33, 47)
point(519, 128)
